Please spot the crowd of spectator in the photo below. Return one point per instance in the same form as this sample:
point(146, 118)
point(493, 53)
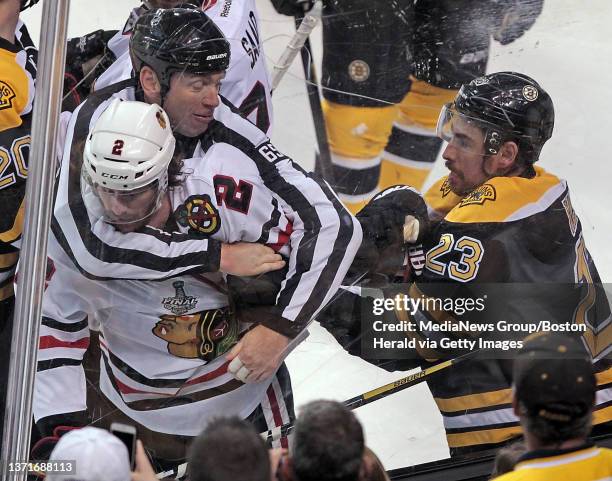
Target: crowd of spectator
point(553, 394)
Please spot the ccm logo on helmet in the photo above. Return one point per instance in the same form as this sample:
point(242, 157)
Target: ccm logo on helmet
point(214, 57)
point(114, 176)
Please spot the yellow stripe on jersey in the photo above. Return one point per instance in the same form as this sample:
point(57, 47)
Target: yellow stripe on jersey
point(440, 198)
point(474, 401)
point(14, 90)
point(502, 199)
point(604, 377)
point(14, 232)
point(603, 415)
point(8, 260)
point(599, 342)
point(7, 290)
point(358, 132)
point(485, 436)
point(421, 106)
point(590, 464)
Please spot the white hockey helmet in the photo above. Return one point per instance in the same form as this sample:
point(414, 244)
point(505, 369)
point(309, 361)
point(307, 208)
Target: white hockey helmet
point(126, 154)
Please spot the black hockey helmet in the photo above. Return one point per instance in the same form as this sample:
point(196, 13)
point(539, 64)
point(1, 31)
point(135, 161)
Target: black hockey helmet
point(178, 40)
point(510, 106)
point(152, 4)
point(27, 4)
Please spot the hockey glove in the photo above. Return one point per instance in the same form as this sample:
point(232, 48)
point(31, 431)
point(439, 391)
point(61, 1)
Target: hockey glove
point(292, 8)
point(82, 53)
point(515, 18)
point(395, 216)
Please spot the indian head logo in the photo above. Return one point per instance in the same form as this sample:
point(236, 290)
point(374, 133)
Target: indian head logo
point(202, 335)
point(160, 119)
point(180, 303)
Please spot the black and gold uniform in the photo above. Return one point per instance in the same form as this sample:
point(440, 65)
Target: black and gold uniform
point(521, 232)
point(17, 77)
point(388, 68)
point(513, 247)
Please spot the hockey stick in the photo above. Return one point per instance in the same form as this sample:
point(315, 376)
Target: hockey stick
point(380, 392)
point(293, 47)
point(355, 402)
point(312, 88)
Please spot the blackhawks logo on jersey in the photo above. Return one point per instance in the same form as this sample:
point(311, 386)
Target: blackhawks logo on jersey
point(7, 94)
point(199, 214)
point(479, 195)
point(202, 335)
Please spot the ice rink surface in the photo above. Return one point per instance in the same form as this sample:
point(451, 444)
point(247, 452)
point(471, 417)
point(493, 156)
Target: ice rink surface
point(568, 52)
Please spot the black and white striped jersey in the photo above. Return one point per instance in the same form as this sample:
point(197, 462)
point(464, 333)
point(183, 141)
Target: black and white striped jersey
point(258, 195)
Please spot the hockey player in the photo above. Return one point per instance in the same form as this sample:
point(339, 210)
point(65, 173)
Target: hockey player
point(505, 228)
point(17, 75)
point(406, 59)
point(246, 83)
point(179, 56)
point(163, 344)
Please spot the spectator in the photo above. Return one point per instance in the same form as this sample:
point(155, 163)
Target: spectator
point(507, 457)
point(328, 443)
point(229, 449)
point(372, 469)
point(99, 456)
point(554, 395)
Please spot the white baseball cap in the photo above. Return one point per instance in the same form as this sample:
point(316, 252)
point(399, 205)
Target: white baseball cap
point(99, 456)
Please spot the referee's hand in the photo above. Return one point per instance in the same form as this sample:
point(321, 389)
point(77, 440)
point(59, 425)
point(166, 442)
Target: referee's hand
point(258, 354)
point(249, 259)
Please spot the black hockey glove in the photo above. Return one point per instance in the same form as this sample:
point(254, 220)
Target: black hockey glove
point(292, 7)
point(387, 219)
point(514, 18)
point(78, 77)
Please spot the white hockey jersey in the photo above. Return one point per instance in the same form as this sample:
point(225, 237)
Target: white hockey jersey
point(252, 192)
point(246, 84)
point(162, 349)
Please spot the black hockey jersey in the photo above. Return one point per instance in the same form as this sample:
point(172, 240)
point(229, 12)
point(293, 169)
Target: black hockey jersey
point(515, 247)
point(17, 77)
point(518, 241)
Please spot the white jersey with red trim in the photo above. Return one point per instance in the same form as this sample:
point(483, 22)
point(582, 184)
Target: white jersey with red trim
point(246, 84)
point(162, 346)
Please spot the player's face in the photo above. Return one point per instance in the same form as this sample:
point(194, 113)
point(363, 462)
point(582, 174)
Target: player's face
point(464, 157)
point(128, 211)
point(191, 101)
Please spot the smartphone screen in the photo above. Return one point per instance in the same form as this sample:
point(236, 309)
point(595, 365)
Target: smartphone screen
point(129, 439)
